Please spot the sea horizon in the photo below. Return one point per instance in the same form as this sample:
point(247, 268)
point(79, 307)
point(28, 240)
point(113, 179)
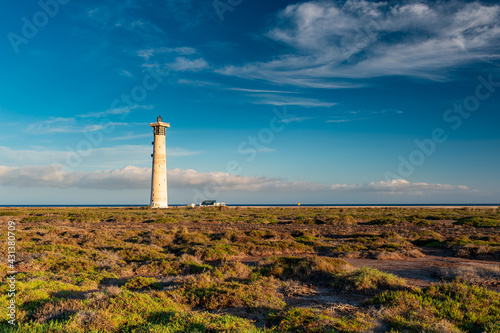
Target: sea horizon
point(267, 205)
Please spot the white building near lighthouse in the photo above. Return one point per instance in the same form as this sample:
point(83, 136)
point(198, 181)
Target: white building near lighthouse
point(159, 195)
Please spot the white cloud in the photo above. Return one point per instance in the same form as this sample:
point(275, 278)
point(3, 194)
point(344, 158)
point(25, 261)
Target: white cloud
point(364, 39)
point(54, 125)
point(364, 115)
point(338, 120)
point(111, 15)
point(265, 150)
point(116, 111)
point(294, 120)
point(80, 123)
point(260, 91)
point(151, 52)
point(163, 59)
point(278, 100)
point(131, 136)
point(198, 83)
point(185, 50)
point(68, 125)
point(146, 54)
point(55, 176)
point(126, 73)
point(183, 64)
point(398, 185)
point(282, 98)
point(132, 177)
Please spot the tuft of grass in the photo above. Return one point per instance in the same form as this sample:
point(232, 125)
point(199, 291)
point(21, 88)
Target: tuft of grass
point(166, 220)
point(424, 223)
point(383, 221)
point(309, 269)
point(212, 294)
point(141, 253)
point(477, 275)
point(36, 219)
point(368, 280)
point(307, 320)
point(140, 282)
point(9, 213)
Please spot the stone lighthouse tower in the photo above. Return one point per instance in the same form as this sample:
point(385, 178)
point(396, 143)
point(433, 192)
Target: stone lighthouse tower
point(159, 197)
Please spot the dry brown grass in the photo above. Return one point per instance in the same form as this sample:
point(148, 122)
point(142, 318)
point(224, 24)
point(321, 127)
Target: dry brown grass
point(82, 268)
point(479, 275)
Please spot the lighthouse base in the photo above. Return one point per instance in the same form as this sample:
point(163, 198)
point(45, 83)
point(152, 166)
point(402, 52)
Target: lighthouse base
point(159, 205)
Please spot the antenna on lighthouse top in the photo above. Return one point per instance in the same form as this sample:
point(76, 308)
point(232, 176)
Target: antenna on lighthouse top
point(159, 119)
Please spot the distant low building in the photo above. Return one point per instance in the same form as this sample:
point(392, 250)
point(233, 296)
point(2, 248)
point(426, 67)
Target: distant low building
point(211, 203)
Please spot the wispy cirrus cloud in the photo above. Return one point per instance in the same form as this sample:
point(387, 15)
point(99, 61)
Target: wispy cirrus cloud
point(334, 44)
point(82, 122)
point(125, 73)
point(132, 177)
point(115, 111)
point(110, 15)
point(363, 115)
point(179, 59)
point(260, 91)
point(182, 64)
point(295, 120)
point(279, 100)
point(131, 136)
point(151, 52)
point(58, 125)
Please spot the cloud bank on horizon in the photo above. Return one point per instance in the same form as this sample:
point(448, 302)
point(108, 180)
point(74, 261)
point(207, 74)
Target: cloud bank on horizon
point(132, 177)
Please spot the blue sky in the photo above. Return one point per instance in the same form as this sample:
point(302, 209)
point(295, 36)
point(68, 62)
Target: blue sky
point(340, 102)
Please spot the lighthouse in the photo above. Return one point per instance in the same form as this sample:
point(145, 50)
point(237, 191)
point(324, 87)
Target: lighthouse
point(159, 196)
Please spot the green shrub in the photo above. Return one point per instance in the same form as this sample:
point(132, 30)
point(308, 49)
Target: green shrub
point(166, 220)
point(384, 221)
point(35, 219)
point(142, 283)
point(9, 213)
point(311, 269)
point(468, 308)
point(140, 253)
point(307, 320)
point(480, 222)
point(424, 223)
point(219, 295)
point(368, 280)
